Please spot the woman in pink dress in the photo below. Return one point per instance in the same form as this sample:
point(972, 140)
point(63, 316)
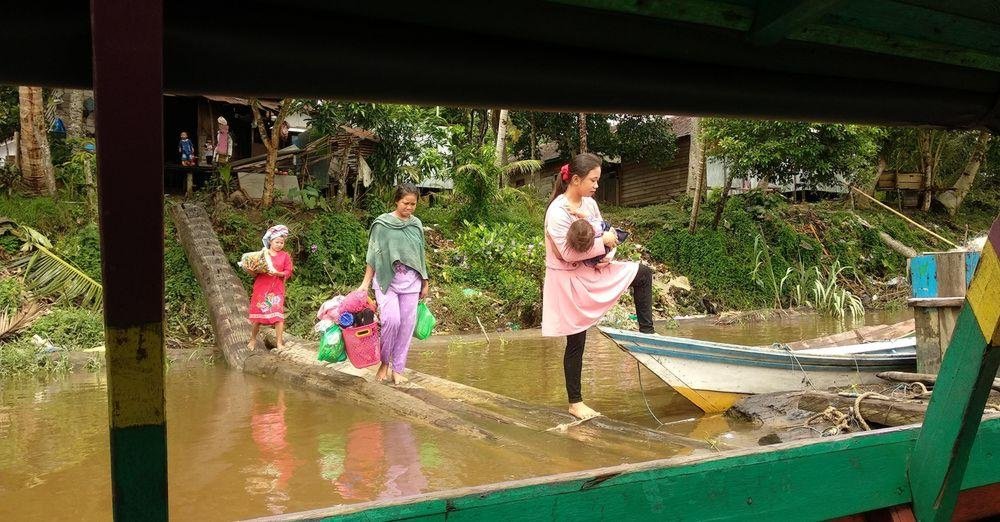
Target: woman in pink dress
point(575, 295)
point(267, 304)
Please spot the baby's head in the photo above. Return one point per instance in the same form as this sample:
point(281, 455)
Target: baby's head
point(184, 135)
point(580, 236)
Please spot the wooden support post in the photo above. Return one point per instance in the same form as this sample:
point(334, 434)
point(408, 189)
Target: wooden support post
point(128, 80)
point(941, 453)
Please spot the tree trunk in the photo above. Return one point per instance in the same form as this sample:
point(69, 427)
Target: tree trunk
point(534, 139)
point(582, 122)
point(726, 187)
point(952, 198)
point(470, 117)
point(483, 125)
point(696, 158)
point(870, 189)
point(271, 141)
point(35, 156)
point(345, 168)
point(494, 121)
point(74, 115)
point(926, 166)
point(501, 144)
point(696, 206)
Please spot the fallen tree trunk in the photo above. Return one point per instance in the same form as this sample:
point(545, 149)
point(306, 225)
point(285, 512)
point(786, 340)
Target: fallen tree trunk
point(924, 378)
point(460, 399)
point(891, 242)
point(878, 411)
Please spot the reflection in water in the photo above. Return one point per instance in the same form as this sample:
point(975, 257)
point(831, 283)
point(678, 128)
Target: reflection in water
point(241, 447)
point(268, 429)
point(381, 460)
point(403, 475)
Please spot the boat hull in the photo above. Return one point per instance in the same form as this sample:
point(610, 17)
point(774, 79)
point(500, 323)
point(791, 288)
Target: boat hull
point(714, 376)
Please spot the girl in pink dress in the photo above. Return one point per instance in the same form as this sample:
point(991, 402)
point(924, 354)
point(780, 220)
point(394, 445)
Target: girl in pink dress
point(575, 295)
point(267, 304)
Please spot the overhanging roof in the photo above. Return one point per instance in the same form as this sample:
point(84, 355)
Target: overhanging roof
point(894, 62)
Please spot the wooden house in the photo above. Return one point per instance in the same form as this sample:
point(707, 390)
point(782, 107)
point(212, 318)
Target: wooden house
point(626, 181)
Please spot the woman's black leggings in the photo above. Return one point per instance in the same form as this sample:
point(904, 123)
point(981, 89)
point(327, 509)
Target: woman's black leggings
point(642, 293)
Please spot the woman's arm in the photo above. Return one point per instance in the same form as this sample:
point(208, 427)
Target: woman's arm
point(367, 283)
point(557, 226)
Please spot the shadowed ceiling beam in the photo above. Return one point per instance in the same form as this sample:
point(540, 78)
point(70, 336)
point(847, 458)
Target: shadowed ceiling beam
point(775, 20)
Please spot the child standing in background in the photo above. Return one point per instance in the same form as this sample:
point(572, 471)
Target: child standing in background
point(186, 150)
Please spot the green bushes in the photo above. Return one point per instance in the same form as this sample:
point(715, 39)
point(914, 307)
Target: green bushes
point(459, 308)
point(11, 293)
point(334, 248)
point(502, 260)
point(82, 248)
point(48, 215)
point(70, 328)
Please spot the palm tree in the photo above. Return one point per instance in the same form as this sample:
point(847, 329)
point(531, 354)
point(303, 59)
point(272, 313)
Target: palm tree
point(34, 154)
point(477, 182)
point(47, 274)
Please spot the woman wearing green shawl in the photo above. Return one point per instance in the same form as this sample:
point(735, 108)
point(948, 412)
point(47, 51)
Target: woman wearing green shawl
point(397, 269)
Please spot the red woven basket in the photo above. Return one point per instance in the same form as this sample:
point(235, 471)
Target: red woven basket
point(361, 344)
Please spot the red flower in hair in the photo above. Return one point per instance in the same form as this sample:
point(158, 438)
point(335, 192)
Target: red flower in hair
point(565, 172)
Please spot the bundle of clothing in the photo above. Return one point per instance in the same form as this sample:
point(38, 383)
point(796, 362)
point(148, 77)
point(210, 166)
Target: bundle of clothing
point(346, 311)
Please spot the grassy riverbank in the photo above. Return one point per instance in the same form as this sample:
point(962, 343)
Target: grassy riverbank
point(765, 252)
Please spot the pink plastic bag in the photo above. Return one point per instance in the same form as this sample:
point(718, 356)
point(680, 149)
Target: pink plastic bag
point(355, 302)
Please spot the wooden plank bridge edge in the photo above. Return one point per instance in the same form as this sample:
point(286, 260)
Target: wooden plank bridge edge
point(816, 478)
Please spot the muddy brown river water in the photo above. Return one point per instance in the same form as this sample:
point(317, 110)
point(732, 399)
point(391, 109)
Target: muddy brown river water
point(240, 446)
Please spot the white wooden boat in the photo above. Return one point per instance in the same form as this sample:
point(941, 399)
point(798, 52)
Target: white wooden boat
point(714, 376)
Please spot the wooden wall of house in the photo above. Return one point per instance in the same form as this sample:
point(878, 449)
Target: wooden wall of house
point(641, 183)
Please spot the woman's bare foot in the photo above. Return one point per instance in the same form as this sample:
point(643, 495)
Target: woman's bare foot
point(382, 374)
point(582, 411)
point(397, 378)
point(252, 343)
point(280, 346)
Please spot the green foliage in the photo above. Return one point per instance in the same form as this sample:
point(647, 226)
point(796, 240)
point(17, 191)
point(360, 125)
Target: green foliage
point(82, 249)
point(722, 261)
point(47, 274)
point(45, 214)
point(817, 153)
point(9, 112)
point(409, 136)
point(623, 135)
point(477, 183)
point(504, 261)
point(19, 357)
point(646, 137)
point(821, 290)
point(184, 303)
point(70, 328)
point(303, 299)
point(72, 171)
point(334, 250)
point(458, 309)
point(11, 293)
point(10, 176)
point(309, 197)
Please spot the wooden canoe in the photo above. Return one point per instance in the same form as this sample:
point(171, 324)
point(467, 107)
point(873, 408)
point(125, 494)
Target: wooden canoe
point(714, 376)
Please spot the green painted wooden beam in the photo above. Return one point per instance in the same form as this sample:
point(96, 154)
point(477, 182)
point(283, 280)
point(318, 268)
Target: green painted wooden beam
point(736, 17)
point(775, 20)
point(817, 479)
point(942, 451)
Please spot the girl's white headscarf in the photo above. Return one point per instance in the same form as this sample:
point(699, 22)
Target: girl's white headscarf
point(274, 232)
